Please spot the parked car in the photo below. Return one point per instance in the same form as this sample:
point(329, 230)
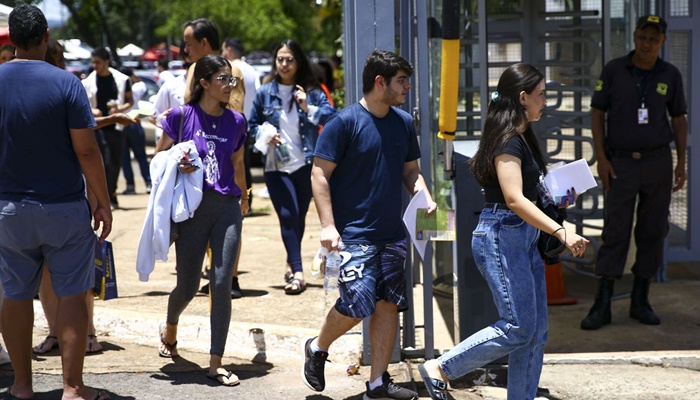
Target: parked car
point(147, 76)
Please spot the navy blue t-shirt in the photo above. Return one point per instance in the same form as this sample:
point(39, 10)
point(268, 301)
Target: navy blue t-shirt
point(366, 185)
point(39, 103)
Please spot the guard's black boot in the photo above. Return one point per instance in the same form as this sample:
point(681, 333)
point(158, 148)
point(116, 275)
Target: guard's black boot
point(600, 312)
point(639, 307)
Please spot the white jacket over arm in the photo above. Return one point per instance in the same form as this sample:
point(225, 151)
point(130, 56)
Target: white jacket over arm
point(175, 196)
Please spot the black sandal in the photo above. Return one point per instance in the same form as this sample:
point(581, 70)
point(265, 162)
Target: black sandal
point(44, 348)
point(169, 350)
point(295, 286)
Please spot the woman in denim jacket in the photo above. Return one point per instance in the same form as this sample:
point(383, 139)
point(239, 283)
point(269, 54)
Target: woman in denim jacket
point(294, 105)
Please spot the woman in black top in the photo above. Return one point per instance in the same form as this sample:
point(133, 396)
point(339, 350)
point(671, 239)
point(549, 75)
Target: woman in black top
point(508, 164)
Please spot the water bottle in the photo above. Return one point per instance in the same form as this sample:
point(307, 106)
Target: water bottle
point(333, 260)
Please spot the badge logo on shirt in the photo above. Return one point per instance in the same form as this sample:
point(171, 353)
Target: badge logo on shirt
point(599, 86)
point(661, 88)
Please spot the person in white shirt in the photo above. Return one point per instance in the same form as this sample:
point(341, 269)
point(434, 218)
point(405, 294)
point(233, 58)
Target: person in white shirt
point(164, 74)
point(172, 92)
point(233, 51)
point(135, 139)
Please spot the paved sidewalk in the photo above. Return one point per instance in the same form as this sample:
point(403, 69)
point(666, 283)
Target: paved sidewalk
point(613, 363)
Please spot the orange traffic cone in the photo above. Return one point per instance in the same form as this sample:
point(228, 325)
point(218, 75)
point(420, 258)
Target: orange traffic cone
point(556, 293)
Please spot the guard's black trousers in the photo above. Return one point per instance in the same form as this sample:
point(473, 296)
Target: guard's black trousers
point(647, 182)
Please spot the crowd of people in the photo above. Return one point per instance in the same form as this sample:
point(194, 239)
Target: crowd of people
point(353, 163)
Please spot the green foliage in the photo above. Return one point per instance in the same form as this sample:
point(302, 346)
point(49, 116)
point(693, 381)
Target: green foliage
point(260, 24)
point(338, 96)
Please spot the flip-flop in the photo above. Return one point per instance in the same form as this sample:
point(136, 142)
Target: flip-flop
point(170, 348)
point(43, 348)
point(295, 286)
point(436, 387)
point(8, 395)
point(222, 377)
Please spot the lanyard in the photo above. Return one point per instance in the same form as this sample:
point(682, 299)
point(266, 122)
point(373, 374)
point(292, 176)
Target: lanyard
point(642, 81)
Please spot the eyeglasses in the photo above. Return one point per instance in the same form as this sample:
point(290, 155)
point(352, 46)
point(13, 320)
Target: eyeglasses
point(227, 80)
point(289, 60)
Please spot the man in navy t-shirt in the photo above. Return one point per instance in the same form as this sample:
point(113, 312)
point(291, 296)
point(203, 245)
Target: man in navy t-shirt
point(363, 157)
point(47, 145)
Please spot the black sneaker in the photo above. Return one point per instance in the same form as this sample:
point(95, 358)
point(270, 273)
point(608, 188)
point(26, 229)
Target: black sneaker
point(236, 292)
point(129, 190)
point(389, 390)
point(312, 371)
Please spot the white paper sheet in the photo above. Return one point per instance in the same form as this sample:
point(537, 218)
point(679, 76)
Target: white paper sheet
point(576, 174)
point(419, 200)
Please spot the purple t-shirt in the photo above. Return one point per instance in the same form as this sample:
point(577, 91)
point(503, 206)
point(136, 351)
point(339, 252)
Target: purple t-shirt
point(215, 145)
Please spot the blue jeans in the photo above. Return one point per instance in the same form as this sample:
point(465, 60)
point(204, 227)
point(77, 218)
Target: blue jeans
point(136, 141)
point(505, 251)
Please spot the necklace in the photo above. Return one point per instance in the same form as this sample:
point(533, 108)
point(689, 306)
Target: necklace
point(214, 124)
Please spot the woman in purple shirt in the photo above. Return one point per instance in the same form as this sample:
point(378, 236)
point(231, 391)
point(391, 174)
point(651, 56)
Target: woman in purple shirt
point(219, 134)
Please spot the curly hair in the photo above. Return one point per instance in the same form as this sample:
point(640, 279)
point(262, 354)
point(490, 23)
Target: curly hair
point(28, 26)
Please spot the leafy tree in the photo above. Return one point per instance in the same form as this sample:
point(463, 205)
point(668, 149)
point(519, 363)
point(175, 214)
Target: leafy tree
point(260, 24)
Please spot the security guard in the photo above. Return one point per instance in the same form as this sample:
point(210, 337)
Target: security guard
point(638, 92)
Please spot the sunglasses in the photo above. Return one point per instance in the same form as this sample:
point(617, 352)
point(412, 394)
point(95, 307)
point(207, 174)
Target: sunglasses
point(289, 60)
point(227, 80)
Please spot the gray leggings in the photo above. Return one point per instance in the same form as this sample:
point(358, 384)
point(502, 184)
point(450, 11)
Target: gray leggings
point(217, 221)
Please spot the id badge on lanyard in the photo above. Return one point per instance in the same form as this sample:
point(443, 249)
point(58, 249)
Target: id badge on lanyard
point(643, 115)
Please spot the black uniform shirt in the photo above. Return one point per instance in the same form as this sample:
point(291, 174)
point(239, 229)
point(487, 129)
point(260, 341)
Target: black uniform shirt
point(619, 92)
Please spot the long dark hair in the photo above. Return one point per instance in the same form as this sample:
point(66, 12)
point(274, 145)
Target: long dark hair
point(204, 69)
point(305, 76)
point(504, 118)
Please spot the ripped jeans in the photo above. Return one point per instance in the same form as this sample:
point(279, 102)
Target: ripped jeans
point(505, 251)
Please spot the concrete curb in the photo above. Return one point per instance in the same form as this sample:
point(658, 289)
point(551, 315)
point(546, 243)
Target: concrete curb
point(194, 334)
point(668, 359)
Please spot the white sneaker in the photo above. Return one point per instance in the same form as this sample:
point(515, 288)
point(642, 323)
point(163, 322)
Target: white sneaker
point(4, 356)
point(263, 193)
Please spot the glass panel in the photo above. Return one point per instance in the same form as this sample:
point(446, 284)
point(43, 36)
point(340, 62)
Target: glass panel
point(677, 53)
point(680, 8)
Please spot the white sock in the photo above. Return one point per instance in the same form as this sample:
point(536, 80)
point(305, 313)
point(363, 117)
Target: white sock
point(314, 346)
point(375, 383)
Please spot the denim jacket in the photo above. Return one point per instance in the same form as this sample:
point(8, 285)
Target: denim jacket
point(268, 106)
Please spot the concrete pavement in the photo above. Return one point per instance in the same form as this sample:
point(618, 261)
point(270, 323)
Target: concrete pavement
point(624, 360)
